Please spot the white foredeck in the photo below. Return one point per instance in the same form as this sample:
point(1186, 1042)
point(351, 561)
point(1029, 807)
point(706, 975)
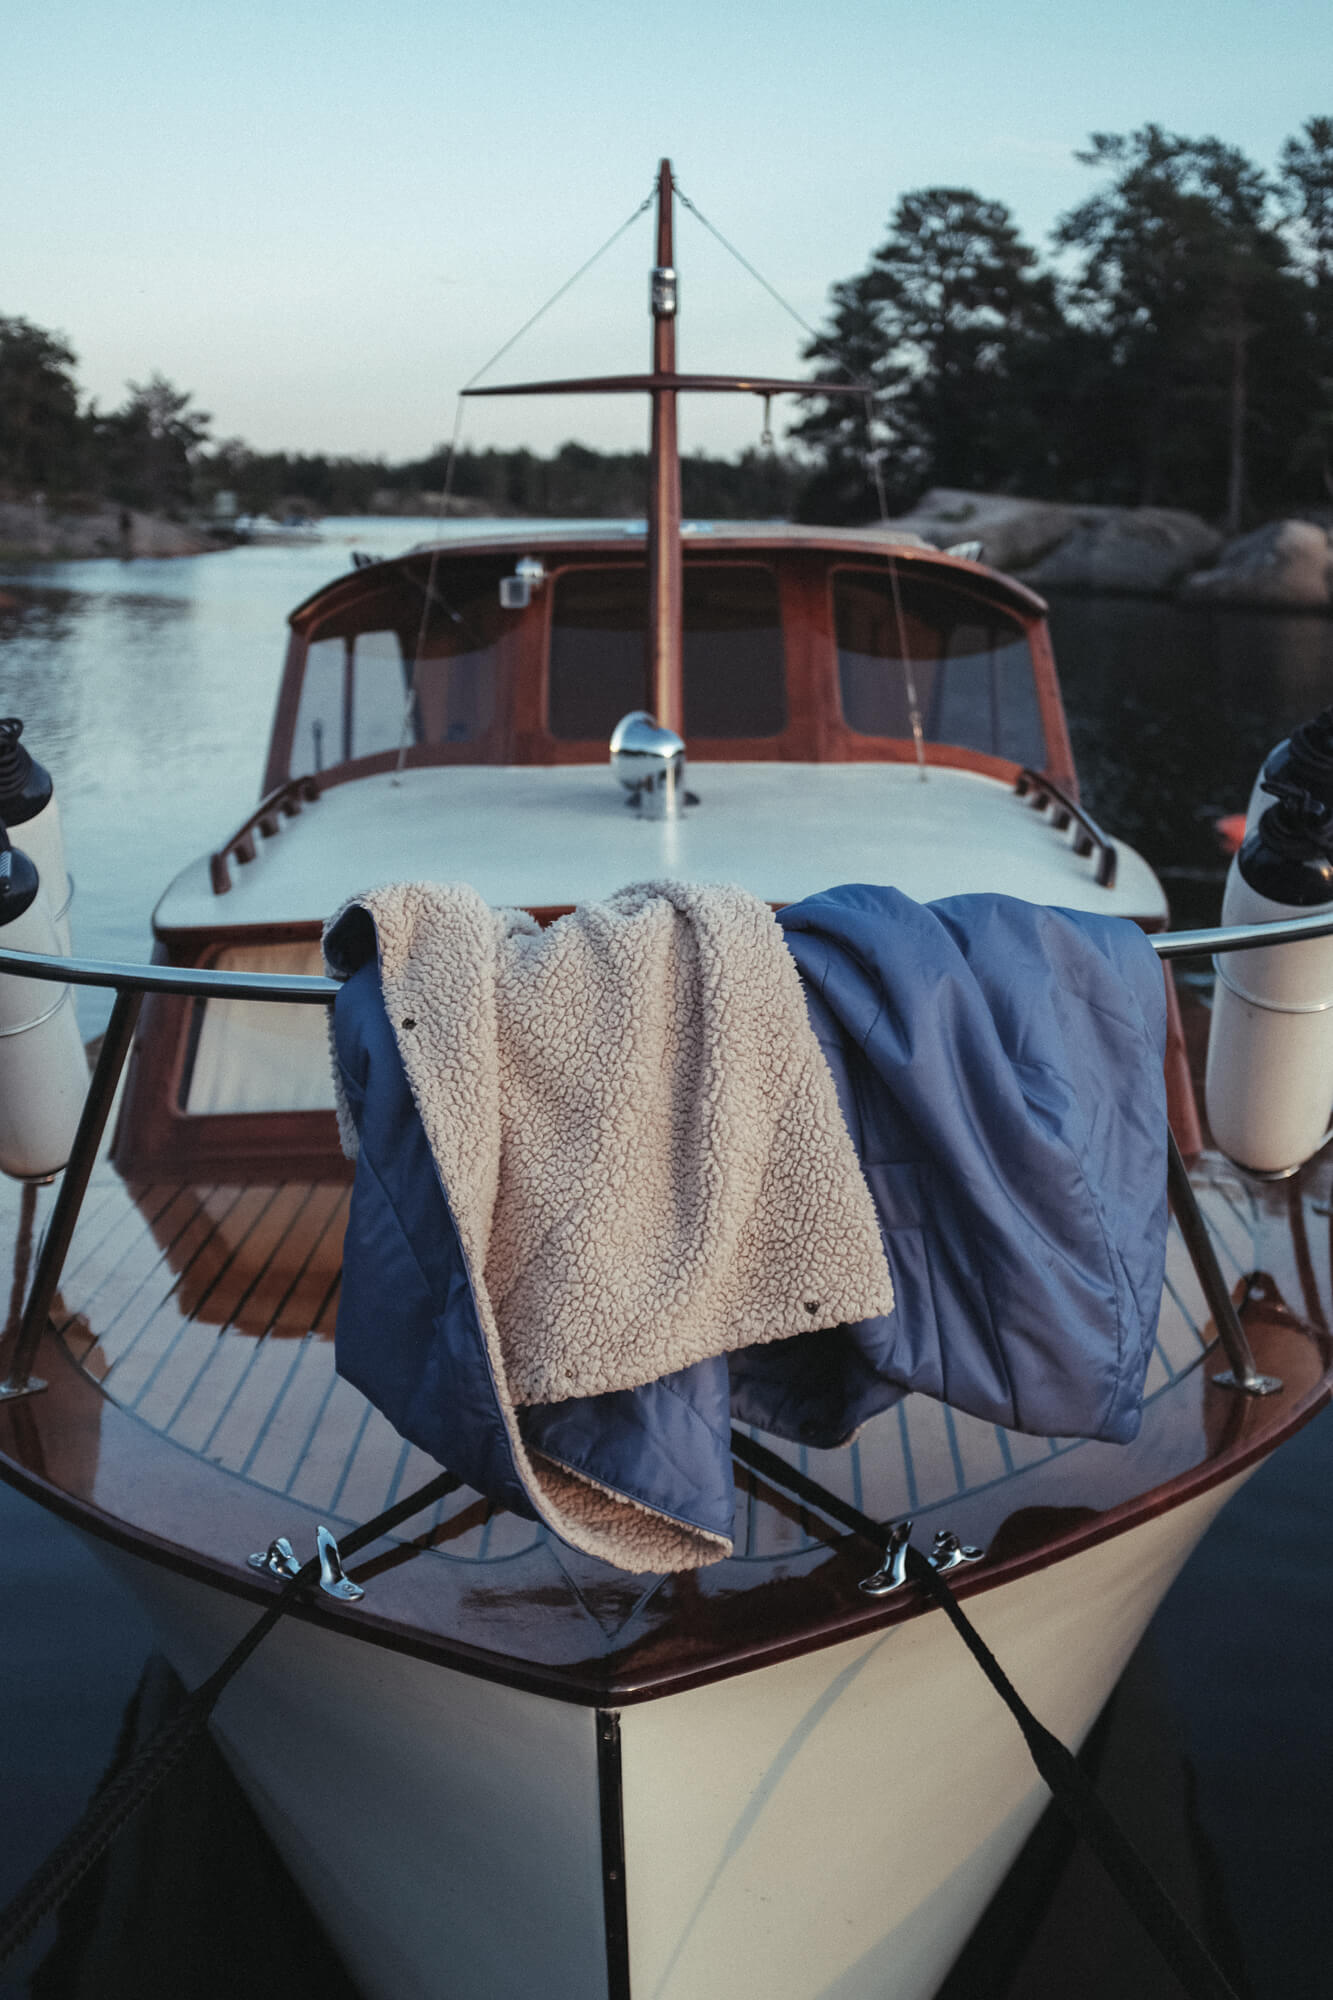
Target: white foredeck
point(543, 835)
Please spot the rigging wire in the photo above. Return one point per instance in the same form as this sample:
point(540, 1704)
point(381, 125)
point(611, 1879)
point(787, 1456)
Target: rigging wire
point(556, 296)
point(451, 460)
point(872, 454)
point(745, 263)
point(909, 675)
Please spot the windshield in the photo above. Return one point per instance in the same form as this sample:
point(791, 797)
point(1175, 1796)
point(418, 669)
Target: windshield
point(731, 645)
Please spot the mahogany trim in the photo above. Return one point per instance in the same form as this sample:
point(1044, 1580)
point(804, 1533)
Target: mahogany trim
point(1182, 1105)
point(777, 1618)
point(875, 543)
point(523, 736)
point(1044, 791)
point(666, 591)
point(284, 801)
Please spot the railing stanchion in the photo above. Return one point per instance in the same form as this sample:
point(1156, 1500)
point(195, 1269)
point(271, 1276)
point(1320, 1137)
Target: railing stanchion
point(20, 1380)
point(1242, 1373)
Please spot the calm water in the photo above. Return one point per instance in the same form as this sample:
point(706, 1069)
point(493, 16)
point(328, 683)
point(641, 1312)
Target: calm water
point(148, 689)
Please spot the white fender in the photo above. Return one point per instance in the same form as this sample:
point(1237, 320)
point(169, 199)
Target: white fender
point(1269, 1081)
point(1259, 800)
point(42, 841)
point(43, 1067)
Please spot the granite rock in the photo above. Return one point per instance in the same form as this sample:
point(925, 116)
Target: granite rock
point(1284, 564)
point(33, 530)
point(1144, 550)
point(1013, 533)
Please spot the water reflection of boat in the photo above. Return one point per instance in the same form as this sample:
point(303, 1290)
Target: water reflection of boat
point(512, 1768)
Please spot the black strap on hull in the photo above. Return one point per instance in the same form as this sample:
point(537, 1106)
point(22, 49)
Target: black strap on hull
point(1183, 1951)
point(1188, 1957)
point(110, 1808)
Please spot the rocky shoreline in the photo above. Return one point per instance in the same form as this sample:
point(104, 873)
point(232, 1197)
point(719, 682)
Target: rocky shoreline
point(1140, 551)
point(1136, 551)
point(32, 531)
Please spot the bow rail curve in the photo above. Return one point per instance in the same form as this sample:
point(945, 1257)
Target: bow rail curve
point(131, 983)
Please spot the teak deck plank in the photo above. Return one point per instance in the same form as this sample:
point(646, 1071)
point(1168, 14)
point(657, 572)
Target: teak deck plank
point(318, 1475)
point(264, 1420)
point(102, 1277)
point(174, 1319)
point(131, 1297)
point(213, 1308)
point(303, 1308)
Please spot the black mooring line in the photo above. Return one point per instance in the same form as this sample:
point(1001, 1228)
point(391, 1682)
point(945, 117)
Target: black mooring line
point(615, 1901)
point(1188, 1957)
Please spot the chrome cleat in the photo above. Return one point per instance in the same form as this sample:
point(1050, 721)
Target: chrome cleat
point(332, 1580)
point(279, 1559)
point(893, 1575)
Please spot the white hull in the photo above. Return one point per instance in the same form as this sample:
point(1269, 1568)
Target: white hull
point(829, 1828)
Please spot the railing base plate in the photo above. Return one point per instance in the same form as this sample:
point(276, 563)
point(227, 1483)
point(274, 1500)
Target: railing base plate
point(1257, 1385)
point(10, 1392)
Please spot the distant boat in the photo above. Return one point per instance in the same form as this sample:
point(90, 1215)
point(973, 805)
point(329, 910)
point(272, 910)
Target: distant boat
point(510, 1769)
point(263, 528)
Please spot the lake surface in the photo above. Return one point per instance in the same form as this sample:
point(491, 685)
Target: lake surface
point(148, 689)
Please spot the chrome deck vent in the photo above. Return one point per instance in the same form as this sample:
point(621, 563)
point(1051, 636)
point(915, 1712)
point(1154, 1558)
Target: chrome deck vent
point(649, 761)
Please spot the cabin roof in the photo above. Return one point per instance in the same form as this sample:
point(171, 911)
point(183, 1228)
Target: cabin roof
point(555, 835)
point(501, 536)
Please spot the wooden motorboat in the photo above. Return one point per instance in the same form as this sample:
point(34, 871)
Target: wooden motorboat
point(509, 1768)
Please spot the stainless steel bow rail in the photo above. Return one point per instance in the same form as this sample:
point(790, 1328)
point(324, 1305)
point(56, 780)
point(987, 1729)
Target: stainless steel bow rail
point(1189, 1958)
point(131, 983)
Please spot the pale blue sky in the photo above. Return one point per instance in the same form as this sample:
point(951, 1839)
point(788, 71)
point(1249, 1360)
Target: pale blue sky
point(323, 218)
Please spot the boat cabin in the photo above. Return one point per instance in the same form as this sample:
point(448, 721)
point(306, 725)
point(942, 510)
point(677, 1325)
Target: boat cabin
point(798, 646)
point(854, 707)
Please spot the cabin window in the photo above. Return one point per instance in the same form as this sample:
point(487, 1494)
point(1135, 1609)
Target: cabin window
point(436, 678)
point(732, 647)
point(598, 663)
point(457, 670)
point(352, 698)
point(969, 663)
point(733, 667)
point(256, 1055)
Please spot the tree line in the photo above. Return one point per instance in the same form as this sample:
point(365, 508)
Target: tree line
point(1175, 348)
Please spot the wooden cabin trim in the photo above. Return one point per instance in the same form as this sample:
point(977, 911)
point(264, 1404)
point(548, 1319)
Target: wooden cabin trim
point(1059, 751)
point(155, 1137)
point(804, 571)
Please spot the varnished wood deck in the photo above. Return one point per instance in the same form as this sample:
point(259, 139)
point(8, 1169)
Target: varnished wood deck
point(207, 1312)
point(194, 1412)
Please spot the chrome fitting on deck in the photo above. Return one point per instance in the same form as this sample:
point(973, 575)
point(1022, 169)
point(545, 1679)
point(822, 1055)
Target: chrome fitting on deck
point(946, 1553)
point(649, 761)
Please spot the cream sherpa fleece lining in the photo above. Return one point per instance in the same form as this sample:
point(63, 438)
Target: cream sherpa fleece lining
point(642, 1147)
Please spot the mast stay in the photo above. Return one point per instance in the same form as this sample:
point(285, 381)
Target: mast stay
point(663, 384)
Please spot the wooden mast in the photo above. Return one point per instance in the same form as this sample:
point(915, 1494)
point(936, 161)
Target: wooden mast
point(664, 383)
point(664, 557)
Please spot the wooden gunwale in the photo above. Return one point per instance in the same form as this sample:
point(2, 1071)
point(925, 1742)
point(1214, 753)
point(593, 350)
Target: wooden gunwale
point(702, 1638)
